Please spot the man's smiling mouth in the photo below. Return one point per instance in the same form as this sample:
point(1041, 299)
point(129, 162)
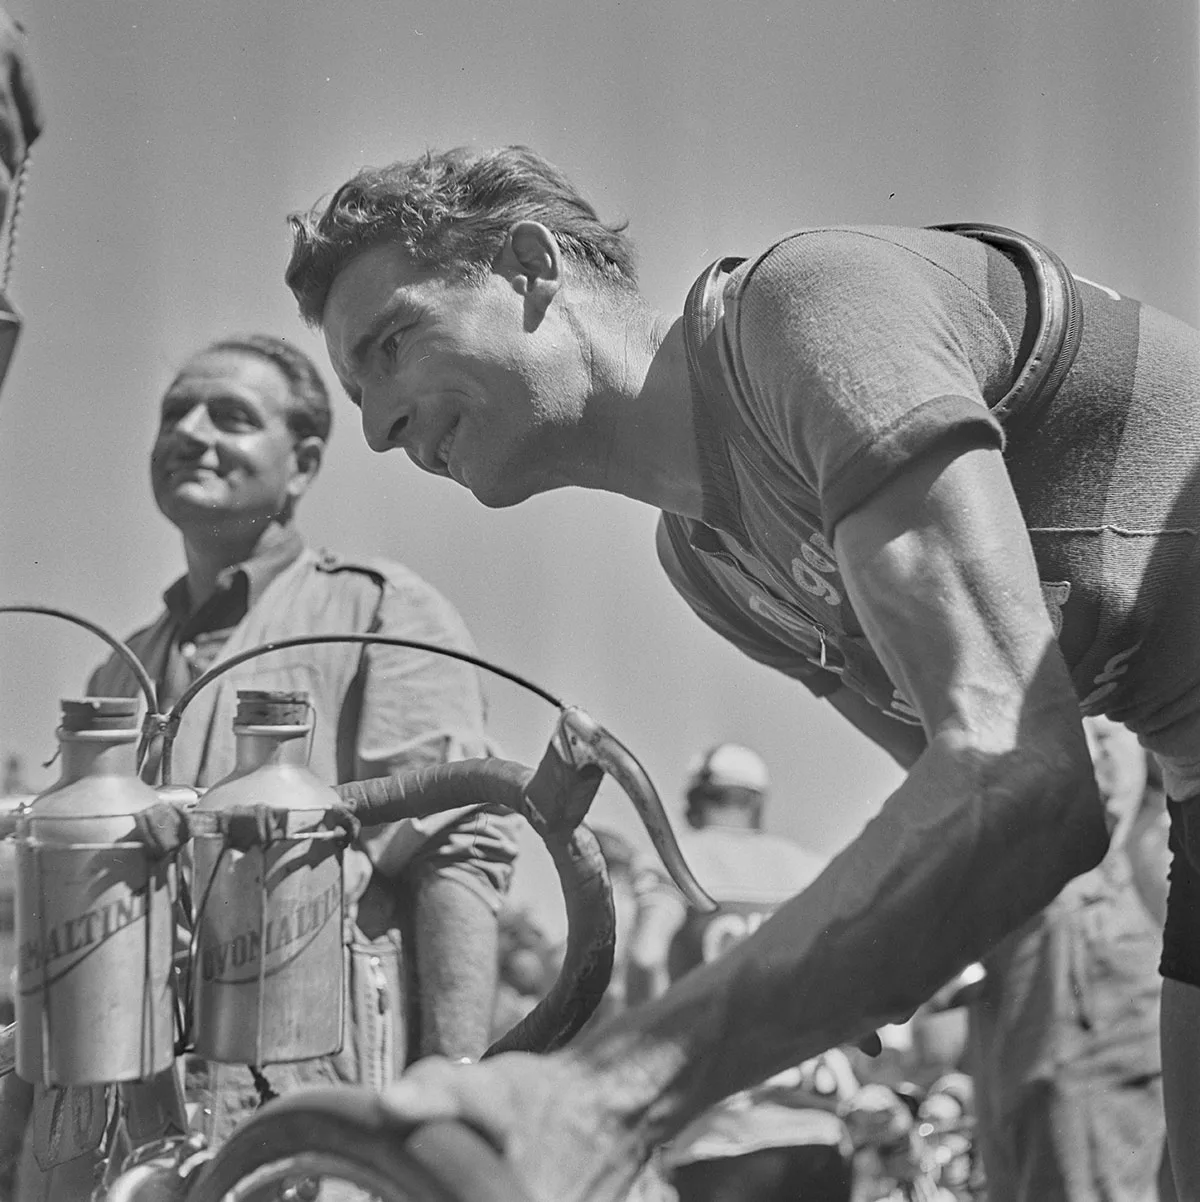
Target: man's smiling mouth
point(442, 454)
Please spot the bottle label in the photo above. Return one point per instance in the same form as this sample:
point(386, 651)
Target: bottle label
point(289, 930)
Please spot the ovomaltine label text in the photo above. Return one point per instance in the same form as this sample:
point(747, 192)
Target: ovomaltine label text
point(302, 920)
point(82, 932)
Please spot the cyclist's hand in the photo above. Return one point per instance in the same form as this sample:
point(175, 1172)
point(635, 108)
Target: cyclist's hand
point(543, 1113)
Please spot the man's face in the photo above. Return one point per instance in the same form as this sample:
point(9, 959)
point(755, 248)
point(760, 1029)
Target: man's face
point(447, 371)
point(223, 448)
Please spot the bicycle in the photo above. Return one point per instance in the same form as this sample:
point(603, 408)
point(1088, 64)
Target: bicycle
point(295, 1143)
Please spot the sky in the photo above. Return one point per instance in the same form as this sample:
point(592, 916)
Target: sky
point(179, 136)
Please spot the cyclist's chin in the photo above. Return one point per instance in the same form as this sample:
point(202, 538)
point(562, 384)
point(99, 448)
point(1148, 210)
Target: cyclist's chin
point(499, 494)
point(494, 487)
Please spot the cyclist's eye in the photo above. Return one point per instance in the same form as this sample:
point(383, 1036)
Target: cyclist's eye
point(392, 344)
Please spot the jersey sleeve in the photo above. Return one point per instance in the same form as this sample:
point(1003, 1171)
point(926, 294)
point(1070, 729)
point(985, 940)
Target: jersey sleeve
point(850, 352)
point(418, 709)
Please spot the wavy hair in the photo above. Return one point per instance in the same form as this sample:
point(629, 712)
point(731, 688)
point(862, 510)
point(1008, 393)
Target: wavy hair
point(450, 211)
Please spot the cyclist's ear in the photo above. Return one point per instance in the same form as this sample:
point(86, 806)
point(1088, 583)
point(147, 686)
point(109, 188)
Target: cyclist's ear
point(531, 261)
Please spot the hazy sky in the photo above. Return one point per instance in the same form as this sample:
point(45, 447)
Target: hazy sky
point(180, 135)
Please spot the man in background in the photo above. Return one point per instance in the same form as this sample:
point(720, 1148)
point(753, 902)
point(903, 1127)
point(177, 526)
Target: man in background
point(625, 870)
point(1063, 1036)
point(242, 434)
point(783, 1139)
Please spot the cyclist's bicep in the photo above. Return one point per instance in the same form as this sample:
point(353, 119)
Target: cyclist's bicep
point(940, 570)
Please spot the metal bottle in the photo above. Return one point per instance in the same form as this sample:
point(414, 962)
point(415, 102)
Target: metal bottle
point(267, 975)
point(93, 914)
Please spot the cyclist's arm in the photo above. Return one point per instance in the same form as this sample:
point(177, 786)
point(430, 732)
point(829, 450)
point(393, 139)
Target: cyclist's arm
point(904, 743)
point(996, 815)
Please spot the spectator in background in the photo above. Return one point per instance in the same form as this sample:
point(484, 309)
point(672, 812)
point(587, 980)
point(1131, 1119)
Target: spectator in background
point(624, 869)
point(783, 1139)
point(242, 433)
point(1063, 1034)
point(1148, 844)
point(526, 967)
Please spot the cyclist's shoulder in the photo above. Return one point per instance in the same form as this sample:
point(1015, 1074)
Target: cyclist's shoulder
point(839, 258)
point(837, 297)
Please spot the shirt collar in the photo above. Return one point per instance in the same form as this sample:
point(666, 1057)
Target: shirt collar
point(259, 571)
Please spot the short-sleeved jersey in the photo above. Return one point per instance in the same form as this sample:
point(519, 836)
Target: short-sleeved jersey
point(851, 352)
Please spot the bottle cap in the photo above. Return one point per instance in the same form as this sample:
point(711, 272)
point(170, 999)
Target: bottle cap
point(99, 713)
point(267, 707)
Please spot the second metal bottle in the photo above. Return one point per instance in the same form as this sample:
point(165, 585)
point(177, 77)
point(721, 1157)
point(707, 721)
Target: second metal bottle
point(267, 974)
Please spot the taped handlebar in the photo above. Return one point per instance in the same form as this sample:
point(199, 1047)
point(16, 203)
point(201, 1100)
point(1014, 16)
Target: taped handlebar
point(582, 873)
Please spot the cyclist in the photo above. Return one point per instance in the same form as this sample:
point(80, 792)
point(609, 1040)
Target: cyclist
point(781, 1139)
point(869, 481)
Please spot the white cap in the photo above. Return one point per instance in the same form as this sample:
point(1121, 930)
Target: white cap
point(729, 766)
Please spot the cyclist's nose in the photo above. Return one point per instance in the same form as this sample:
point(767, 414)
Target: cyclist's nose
point(384, 422)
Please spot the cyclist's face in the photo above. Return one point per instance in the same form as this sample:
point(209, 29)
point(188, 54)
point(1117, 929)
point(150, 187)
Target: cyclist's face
point(447, 371)
point(223, 447)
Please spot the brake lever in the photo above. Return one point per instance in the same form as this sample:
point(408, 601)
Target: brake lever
point(581, 742)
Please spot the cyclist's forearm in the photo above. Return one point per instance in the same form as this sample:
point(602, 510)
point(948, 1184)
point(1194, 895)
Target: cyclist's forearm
point(456, 967)
point(966, 849)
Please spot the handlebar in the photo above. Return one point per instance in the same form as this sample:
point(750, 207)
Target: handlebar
point(582, 872)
